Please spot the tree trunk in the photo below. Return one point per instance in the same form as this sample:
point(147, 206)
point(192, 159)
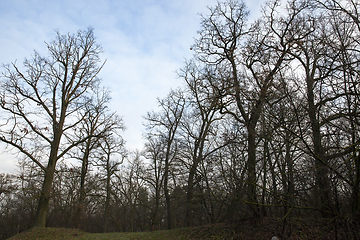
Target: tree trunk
point(40, 220)
point(264, 180)
point(251, 171)
point(155, 213)
point(82, 194)
point(189, 195)
point(166, 180)
point(321, 175)
point(356, 189)
point(166, 192)
point(107, 200)
point(289, 196)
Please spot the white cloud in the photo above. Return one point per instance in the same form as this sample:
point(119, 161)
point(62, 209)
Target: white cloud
point(8, 163)
point(144, 41)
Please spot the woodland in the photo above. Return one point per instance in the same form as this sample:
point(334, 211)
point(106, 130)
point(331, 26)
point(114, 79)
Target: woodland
point(265, 125)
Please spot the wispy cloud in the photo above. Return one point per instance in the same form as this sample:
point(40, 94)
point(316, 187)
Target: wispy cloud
point(144, 42)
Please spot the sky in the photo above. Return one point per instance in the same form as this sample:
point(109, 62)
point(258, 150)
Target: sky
point(144, 41)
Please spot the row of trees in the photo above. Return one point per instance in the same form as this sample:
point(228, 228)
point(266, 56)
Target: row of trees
point(265, 124)
point(54, 108)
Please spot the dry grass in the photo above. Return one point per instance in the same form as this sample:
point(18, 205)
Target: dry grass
point(247, 229)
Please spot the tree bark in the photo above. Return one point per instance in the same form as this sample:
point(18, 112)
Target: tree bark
point(190, 193)
point(356, 189)
point(322, 180)
point(40, 220)
point(251, 171)
point(107, 200)
point(167, 195)
point(82, 194)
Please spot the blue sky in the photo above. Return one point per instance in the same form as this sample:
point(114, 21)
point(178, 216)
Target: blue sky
point(145, 42)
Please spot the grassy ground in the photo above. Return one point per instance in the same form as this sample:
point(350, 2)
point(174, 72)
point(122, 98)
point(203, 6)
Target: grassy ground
point(64, 233)
point(249, 229)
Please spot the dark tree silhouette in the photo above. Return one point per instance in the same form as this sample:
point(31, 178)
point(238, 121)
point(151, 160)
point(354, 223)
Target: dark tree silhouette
point(41, 104)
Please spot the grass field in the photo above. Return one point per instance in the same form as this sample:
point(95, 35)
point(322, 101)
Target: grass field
point(244, 230)
point(65, 233)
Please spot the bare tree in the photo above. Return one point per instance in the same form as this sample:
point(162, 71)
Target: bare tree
point(98, 120)
point(247, 61)
point(40, 103)
point(345, 19)
point(198, 127)
point(131, 193)
point(114, 153)
point(164, 125)
point(18, 199)
point(154, 152)
point(324, 50)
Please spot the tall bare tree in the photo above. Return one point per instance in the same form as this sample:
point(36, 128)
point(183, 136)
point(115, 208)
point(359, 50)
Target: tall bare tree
point(164, 125)
point(198, 126)
point(247, 61)
point(40, 102)
point(98, 120)
point(345, 22)
point(113, 154)
point(155, 175)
